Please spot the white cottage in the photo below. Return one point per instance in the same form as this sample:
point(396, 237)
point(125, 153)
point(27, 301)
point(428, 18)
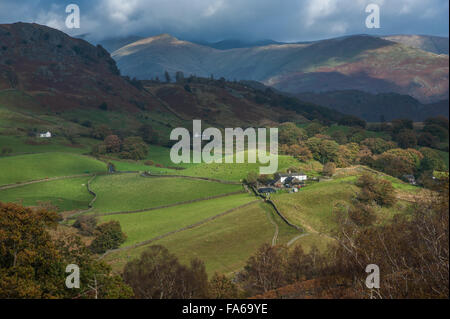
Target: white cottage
point(45, 135)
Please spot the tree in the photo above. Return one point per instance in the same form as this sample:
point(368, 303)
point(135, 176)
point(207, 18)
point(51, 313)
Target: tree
point(167, 76)
point(157, 274)
point(314, 128)
point(290, 134)
point(107, 236)
point(351, 120)
point(412, 252)
point(264, 271)
point(221, 287)
point(303, 154)
point(86, 224)
point(427, 139)
point(323, 150)
point(362, 214)
point(134, 148)
point(103, 106)
point(375, 189)
point(101, 132)
point(340, 137)
point(252, 178)
point(179, 77)
point(431, 160)
point(148, 134)
point(329, 169)
point(33, 264)
point(406, 139)
point(399, 125)
point(378, 145)
point(113, 144)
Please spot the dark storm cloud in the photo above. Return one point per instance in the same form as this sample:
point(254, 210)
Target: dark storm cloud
point(284, 20)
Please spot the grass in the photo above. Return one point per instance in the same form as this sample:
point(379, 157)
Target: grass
point(312, 207)
point(21, 168)
point(66, 194)
point(125, 192)
point(55, 144)
point(224, 244)
point(234, 171)
point(143, 226)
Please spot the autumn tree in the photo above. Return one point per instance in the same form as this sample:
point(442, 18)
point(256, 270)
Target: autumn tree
point(157, 274)
point(290, 134)
point(33, 263)
point(264, 270)
point(221, 287)
point(375, 190)
point(329, 169)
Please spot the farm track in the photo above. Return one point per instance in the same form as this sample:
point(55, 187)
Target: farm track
point(277, 229)
point(149, 241)
point(42, 181)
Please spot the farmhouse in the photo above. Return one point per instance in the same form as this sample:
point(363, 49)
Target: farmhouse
point(290, 178)
point(45, 135)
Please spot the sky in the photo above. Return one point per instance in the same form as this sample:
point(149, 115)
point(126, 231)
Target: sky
point(251, 20)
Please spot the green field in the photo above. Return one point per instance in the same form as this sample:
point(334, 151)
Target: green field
point(234, 171)
point(224, 244)
point(140, 227)
point(23, 168)
point(312, 207)
point(66, 194)
point(19, 145)
point(126, 192)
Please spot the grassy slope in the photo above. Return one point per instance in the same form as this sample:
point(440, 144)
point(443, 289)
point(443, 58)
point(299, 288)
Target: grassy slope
point(235, 171)
point(127, 192)
point(67, 194)
point(312, 207)
point(38, 166)
point(224, 244)
point(55, 144)
point(143, 226)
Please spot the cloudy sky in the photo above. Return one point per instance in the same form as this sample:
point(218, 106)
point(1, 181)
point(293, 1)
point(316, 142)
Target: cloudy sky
point(213, 20)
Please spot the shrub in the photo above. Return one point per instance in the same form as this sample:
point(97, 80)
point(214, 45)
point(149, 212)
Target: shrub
point(374, 189)
point(86, 224)
point(362, 214)
point(107, 236)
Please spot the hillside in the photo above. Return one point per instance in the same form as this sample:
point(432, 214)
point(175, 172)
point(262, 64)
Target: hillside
point(51, 81)
point(438, 45)
point(375, 107)
point(358, 62)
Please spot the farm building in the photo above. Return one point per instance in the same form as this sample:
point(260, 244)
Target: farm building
point(409, 179)
point(45, 135)
point(290, 178)
point(266, 190)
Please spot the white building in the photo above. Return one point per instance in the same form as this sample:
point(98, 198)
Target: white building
point(299, 176)
point(45, 135)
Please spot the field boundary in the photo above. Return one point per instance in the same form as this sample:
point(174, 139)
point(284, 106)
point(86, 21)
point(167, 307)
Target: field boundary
point(149, 175)
point(42, 180)
point(268, 200)
point(149, 241)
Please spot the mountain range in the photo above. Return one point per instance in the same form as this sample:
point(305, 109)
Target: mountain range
point(48, 78)
point(361, 62)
